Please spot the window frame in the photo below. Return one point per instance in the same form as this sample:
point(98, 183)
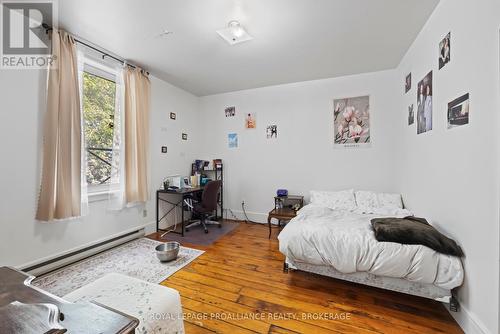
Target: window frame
point(93, 67)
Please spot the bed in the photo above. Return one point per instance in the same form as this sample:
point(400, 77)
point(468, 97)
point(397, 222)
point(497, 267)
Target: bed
point(333, 236)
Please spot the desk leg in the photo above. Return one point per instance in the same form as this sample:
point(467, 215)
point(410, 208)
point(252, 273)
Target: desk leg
point(269, 223)
point(157, 211)
point(182, 215)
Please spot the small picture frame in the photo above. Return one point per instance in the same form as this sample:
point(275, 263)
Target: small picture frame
point(184, 136)
point(272, 131)
point(408, 83)
point(458, 111)
point(232, 140)
point(250, 121)
point(230, 111)
point(163, 149)
point(444, 51)
point(173, 116)
point(411, 115)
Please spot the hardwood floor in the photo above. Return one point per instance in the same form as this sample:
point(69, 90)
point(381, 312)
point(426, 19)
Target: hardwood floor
point(238, 286)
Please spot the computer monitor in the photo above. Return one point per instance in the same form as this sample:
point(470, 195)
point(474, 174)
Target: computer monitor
point(175, 181)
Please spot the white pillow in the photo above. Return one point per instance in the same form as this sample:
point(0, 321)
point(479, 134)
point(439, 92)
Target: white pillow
point(386, 200)
point(336, 200)
point(367, 201)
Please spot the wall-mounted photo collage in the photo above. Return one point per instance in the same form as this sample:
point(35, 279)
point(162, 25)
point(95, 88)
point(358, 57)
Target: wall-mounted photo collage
point(458, 109)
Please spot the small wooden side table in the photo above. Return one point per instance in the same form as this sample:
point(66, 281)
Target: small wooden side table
point(280, 214)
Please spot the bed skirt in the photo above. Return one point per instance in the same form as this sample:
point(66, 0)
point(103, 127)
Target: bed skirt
point(389, 283)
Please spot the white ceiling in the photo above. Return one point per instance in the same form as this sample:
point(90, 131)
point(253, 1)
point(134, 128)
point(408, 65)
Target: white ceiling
point(295, 40)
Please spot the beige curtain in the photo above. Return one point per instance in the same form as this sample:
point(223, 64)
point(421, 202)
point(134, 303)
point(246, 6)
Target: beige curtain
point(136, 138)
point(60, 192)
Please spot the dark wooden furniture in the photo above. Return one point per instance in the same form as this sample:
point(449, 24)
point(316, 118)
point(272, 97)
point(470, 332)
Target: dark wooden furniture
point(17, 317)
point(182, 194)
point(284, 209)
point(283, 214)
point(75, 318)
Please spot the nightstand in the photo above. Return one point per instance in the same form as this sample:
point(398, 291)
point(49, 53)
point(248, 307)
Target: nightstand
point(284, 209)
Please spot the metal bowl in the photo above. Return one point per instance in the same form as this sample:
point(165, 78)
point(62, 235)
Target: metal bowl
point(168, 251)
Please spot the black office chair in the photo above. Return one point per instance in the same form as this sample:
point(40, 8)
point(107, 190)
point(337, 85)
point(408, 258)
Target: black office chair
point(207, 206)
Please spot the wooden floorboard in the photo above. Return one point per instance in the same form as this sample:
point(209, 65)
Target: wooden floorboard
point(238, 286)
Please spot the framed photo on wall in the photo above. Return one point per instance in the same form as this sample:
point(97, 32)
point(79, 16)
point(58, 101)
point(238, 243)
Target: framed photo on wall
point(458, 111)
point(232, 140)
point(272, 131)
point(411, 115)
point(444, 50)
point(408, 83)
point(424, 104)
point(230, 111)
point(251, 121)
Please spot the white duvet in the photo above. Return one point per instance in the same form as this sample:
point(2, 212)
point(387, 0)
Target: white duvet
point(345, 241)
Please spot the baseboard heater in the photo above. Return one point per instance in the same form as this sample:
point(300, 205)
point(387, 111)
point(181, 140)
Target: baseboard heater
point(80, 254)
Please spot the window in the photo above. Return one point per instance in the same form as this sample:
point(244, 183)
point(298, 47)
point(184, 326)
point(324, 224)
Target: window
point(98, 102)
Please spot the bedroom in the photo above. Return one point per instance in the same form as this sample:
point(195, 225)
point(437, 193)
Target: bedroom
point(267, 108)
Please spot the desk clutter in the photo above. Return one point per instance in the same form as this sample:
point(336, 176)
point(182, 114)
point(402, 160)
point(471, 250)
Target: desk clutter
point(284, 201)
point(202, 172)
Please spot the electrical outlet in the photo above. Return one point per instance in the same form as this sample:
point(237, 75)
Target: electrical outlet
point(144, 213)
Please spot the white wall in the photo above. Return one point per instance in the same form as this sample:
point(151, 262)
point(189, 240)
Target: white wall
point(303, 157)
point(167, 98)
point(22, 239)
point(451, 176)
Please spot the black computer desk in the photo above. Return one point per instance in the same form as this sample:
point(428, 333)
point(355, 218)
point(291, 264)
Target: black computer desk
point(183, 193)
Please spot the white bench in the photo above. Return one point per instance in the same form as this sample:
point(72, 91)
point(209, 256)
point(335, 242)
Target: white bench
point(157, 307)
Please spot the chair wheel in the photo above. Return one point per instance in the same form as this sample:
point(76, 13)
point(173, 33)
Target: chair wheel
point(220, 225)
point(206, 231)
point(187, 230)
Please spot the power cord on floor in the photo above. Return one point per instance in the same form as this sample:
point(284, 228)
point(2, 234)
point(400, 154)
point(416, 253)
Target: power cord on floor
point(189, 203)
point(245, 213)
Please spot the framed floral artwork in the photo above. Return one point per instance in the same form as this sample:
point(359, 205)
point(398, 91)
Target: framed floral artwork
point(351, 122)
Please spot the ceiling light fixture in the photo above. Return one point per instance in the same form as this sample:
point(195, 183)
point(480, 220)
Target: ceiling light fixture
point(234, 33)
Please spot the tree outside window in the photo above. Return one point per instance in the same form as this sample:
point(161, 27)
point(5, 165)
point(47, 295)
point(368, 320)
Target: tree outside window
point(99, 112)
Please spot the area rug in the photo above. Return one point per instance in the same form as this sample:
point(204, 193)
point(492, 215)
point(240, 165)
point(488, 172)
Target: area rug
point(136, 258)
point(197, 235)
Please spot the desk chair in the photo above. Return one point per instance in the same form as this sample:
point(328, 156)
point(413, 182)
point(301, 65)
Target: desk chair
point(207, 206)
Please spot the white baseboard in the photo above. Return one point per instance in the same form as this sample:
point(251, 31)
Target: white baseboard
point(146, 227)
point(469, 323)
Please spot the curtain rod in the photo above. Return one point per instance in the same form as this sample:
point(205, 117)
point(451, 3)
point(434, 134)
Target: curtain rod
point(105, 54)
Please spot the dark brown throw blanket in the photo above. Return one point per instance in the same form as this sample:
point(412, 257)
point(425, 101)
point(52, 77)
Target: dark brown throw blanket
point(414, 231)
